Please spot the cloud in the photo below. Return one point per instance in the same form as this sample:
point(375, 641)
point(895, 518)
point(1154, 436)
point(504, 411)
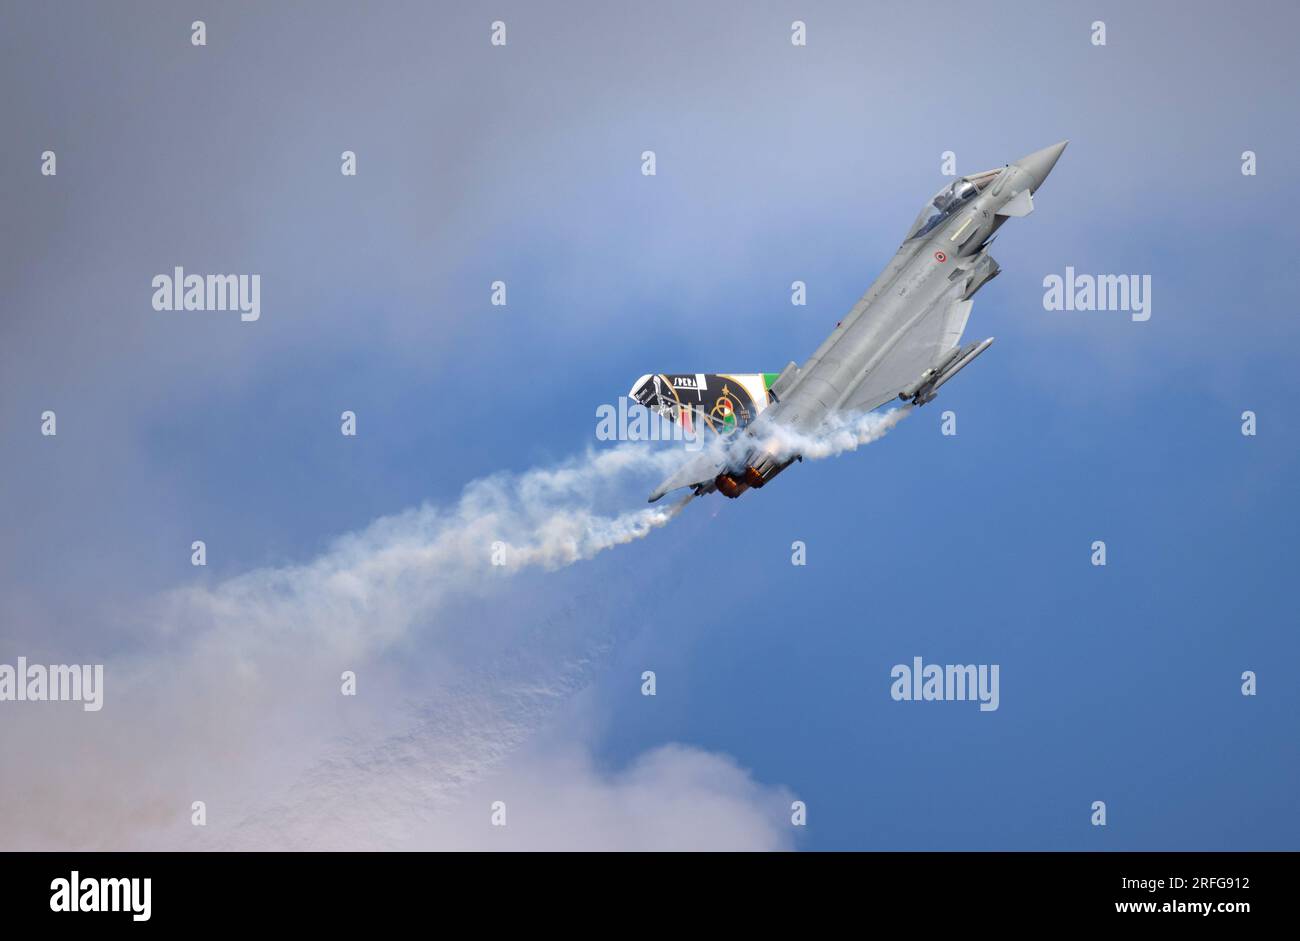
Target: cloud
point(670, 798)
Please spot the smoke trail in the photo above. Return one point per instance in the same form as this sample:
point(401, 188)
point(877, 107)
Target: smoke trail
point(566, 536)
point(368, 588)
point(838, 434)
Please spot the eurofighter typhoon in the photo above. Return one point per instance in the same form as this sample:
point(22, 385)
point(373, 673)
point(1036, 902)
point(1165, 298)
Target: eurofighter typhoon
point(901, 341)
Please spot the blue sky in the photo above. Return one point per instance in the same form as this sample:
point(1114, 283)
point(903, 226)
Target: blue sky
point(522, 163)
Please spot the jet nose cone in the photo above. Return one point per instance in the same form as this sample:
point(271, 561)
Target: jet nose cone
point(1040, 163)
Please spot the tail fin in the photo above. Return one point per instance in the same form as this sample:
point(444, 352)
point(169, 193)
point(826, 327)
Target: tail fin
point(722, 403)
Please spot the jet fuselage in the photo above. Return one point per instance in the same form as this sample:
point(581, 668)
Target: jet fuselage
point(900, 340)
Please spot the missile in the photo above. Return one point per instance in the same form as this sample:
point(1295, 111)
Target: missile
point(929, 391)
point(929, 374)
point(946, 362)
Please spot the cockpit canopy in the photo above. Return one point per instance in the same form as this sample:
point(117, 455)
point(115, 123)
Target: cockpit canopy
point(948, 200)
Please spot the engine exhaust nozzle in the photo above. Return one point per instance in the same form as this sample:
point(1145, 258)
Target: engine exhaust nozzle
point(730, 486)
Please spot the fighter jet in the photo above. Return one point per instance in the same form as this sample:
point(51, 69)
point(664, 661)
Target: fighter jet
point(901, 340)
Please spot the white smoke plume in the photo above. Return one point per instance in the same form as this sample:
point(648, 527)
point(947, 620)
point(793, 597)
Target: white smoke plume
point(839, 434)
point(370, 587)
